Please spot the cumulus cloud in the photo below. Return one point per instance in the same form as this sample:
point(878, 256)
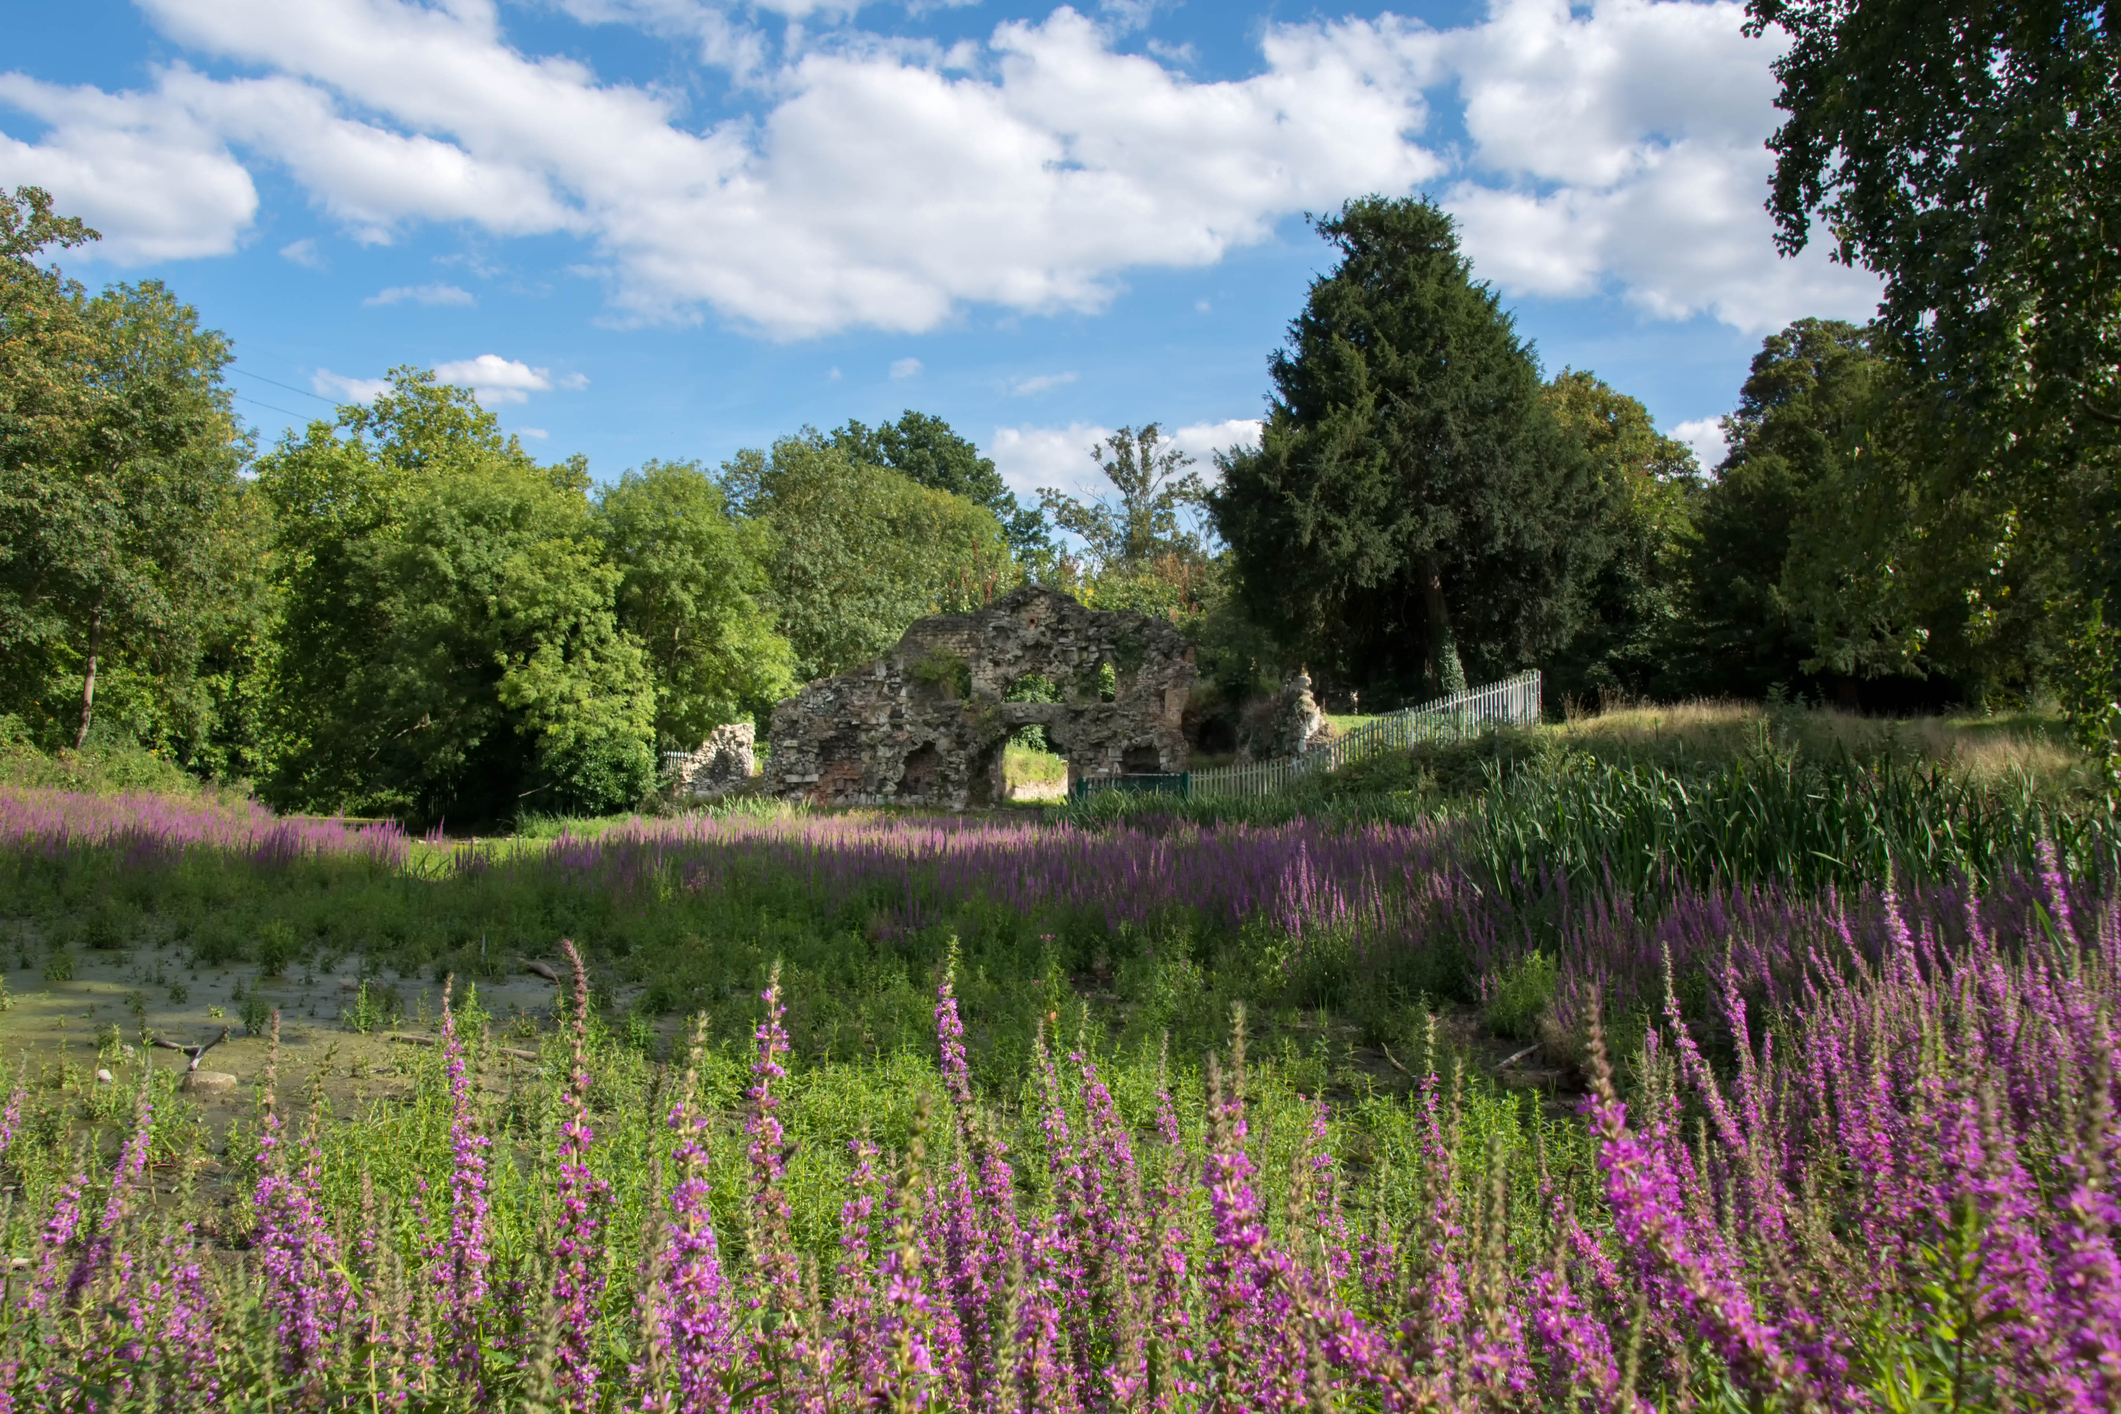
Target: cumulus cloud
point(421, 294)
point(535, 433)
point(905, 368)
point(493, 379)
point(341, 388)
point(155, 177)
point(1612, 148)
point(1030, 457)
point(1622, 148)
point(1040, 383)
point(1705, 436)
point(880, 186)
point(304, 253)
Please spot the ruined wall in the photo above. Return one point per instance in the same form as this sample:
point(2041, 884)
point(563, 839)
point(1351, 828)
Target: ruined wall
point(723, 763)
point(927, 723)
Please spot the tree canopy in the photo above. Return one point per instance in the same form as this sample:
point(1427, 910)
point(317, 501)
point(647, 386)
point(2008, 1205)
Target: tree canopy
point(451, 640)
point(1415, 510)
point(1966, 152)
point(1650, 485)
point(118, 497)
point(694, 591)
point(857, 552)
point(926, 450)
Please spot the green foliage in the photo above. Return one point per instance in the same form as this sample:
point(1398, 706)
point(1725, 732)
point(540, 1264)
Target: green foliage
point(1966, 153)
point(1519, 996)
point(1414, 505)
point(127, 556)
point(859, 552)
point(1650, 484)
point(452, 641)
point(693, 591)
point(947, 673)
point(925, 449)
point(1146, 523)
point(1795, 427)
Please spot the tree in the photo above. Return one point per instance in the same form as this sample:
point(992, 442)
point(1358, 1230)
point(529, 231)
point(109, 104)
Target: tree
point(451, 643)
point(44, 344)
point(1632, 605)
point(926, 450)
point(860, 552)
point(1414, 505)
point(118, 512)
point(1799, 414)
point(1155, 491)
point(693, 590)
point(1966, 152)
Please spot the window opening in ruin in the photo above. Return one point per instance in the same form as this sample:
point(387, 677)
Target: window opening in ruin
point(1141, 761)
point(923, 763)
point(1107, 683)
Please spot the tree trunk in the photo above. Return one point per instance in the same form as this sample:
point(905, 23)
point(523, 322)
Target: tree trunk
point(88, 679)
point(1446, 675)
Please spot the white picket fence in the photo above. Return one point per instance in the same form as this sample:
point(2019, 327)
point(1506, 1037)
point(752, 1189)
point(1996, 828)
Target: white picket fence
point(1512, 702)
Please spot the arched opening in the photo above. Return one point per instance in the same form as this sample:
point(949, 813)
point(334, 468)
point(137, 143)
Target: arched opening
point(923, 764)
point(1141, 760)
point(1033, 767)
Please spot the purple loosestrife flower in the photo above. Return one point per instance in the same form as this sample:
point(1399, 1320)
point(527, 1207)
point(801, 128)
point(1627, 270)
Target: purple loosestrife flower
point(578, 1280)
point(692, 1308)
point(854, 1302)
point(780, 1346)
point(11, 1118)
point(132, 1162)
point(461, 1263)
point(1649, 1213)
point(968, 1243)
point(305, 1285)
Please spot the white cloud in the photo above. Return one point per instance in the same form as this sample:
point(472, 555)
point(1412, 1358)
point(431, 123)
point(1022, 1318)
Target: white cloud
point(1065, 458)
point(905, 368)
point(1040, 383)
point(1613, 147)
point(574, 382)
point(421, 294)
point(145, 170)
point(537, 433)
point(338, 386)
point(1030, 458)
point(878, 188)
point(1202, 440)
point(493, 379)
point(304, 253)
point(1623, 148)
point(1705, 436)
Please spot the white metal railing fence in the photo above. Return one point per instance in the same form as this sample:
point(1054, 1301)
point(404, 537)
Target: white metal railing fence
point(1512, 702)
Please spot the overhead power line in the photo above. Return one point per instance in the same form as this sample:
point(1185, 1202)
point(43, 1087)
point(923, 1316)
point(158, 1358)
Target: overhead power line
point(278, 384)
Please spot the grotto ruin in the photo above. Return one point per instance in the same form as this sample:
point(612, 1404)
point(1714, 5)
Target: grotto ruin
point(928, 723)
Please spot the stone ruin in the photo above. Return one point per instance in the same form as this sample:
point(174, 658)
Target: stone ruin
point(927, 724)
point(723, 764)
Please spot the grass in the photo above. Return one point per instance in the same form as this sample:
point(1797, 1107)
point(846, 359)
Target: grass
point(1426, 913)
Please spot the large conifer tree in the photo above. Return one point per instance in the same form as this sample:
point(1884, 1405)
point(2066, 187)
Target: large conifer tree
point(1415, 514)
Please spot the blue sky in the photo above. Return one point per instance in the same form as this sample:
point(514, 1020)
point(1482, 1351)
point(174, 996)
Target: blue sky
point(674, 228)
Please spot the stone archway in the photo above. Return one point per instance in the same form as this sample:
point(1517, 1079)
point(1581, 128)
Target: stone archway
point(1122, 680)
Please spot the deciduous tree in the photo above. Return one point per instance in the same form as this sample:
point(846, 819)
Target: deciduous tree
point(693, 590)
point(858, 551)
point(451, 643)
